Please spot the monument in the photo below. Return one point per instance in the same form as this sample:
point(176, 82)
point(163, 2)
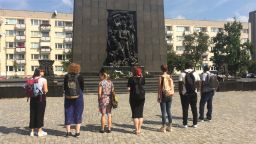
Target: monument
point(119, 33)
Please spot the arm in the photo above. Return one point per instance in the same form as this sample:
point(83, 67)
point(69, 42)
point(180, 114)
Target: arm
point(99, 91)
point(65, 85)
point(159, 89)
point(180, 84)
point(81, 82)
point(45, 87)
point(129, 84)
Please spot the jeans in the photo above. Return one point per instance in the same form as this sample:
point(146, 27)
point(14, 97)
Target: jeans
point(206, 98)
point(166, 109)
point(186, 100)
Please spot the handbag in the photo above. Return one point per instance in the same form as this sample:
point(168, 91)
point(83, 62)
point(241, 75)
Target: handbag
point(114, 99)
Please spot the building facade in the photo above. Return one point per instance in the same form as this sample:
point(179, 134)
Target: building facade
point(252, 21)
point(177, 28)
point(28, 36)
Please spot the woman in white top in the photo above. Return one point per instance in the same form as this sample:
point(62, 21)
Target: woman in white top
point(37, 105)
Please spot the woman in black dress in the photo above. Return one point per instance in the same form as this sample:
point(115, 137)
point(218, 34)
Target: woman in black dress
point(137, 98)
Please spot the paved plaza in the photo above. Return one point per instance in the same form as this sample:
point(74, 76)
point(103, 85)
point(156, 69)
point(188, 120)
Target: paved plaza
point(234, 119)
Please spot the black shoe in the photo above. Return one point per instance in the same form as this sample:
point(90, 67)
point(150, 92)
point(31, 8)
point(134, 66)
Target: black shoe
point(77, 135)
point(102, 131)
point(68, 134)
point(108, 131)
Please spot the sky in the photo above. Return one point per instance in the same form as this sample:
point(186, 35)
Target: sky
point(178, 9)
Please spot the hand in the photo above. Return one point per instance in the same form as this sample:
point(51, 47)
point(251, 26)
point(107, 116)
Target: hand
point(159, 100)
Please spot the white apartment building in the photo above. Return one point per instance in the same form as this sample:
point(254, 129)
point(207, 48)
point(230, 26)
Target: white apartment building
point(177, 28)
point(26, 37)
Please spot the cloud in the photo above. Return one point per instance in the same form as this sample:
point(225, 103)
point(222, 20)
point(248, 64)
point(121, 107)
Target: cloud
point(68, 3)
point(180, 17)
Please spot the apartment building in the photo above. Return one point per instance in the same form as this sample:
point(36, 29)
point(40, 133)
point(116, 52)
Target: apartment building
point(26, 37)
point(177, 28)
point(252, 21)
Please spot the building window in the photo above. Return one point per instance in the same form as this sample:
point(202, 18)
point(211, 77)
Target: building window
point(245, 31)
point(59, 68)
point(20, 56)
point(9, 56)
point(200, 29)
point(9, 68)
point(20, 44)
point(10, 45)
point(169, 28)
point(60, 34)
point(180, 38)
point(59, 45)
point(35, 22)
point(20, 33)
point(45, 34)
point(11, 21)
point(59, 23)
point(35, 56)
point(35, 45)
point(182, 29)
point(10, 32)
point(68, 24)
point(33, 68)
point(68, 46)
point(44, 57)
point(20, 21)
point(69, 35)
point(35, 34)
point(59, 57)
point(180, 48)
point(20, 68)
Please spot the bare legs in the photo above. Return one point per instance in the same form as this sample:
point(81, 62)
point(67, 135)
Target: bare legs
point(137, 124)
point(103, 121)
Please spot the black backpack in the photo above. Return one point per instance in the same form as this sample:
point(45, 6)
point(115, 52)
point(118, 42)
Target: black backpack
point(190, 84)
point(139, 91)
point(73, 87)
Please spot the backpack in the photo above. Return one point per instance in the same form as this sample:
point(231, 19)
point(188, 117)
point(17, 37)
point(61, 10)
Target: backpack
point(139, 91)
point(32, 88)
point(167, 86)
point(73, 87)
point(211, 83)
point(190, 84)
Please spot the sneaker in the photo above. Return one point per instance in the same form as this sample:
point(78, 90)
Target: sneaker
point(163, 129)
point(185, 126)
point(77, 135)
point(194, 126)
point(32, 133)
point(108, 131)
point(68, 134)
point(200, 120)
point(102, 131)
point(41, 134)
point(208, 120)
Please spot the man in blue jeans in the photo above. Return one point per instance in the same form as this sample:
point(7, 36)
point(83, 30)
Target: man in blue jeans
point(207, 94)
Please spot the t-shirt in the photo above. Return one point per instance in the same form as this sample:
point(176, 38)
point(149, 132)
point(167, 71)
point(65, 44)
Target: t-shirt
point(204, 75)
point(182, 78)
point(131, 84)
point(41, 82)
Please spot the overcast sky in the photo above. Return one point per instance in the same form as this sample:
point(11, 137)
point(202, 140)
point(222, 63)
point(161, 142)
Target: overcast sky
point(180, 9)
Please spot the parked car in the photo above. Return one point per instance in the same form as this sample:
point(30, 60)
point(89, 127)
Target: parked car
point(251, 75)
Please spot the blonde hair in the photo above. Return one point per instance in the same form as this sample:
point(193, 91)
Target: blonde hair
point(74, 68)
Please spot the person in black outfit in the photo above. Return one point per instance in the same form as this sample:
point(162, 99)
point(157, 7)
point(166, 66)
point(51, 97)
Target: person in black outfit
point(137, 98)
point(38, 104)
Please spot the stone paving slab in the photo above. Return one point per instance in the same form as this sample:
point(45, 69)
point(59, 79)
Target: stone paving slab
point(234, 118)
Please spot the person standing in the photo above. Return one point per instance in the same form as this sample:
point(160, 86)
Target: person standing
point(137, 97)
point(105, 90)
point(38, 104)
point(189, 85)
point(165, 93)
point(207, 93)
point(74, 101)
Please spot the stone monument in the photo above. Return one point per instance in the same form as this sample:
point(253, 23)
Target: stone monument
point(119, 33)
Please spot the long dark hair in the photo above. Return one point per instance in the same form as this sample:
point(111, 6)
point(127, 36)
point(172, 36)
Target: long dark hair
point(37, 72)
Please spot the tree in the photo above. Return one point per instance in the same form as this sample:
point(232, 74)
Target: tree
point(67, 61)
point(175, 61)
point(196, 45)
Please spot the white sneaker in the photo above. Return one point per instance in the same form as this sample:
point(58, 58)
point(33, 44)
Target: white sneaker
point(41, 134)
point(185, 126)
point(169, 128)
point(32, 133)
point(194, 126)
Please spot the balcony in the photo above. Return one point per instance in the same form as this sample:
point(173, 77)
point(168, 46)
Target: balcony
point(20, 26)
point(45, 44)
point(44, 39)
point(68, 40)
point(20, 38)
point(187, 32)
point(21, 61)
point(169, 42)
point(169, 33)
point(67, 50)
point(45, 27)
point(45, 49)
point(68, 28)
point(20, 49)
